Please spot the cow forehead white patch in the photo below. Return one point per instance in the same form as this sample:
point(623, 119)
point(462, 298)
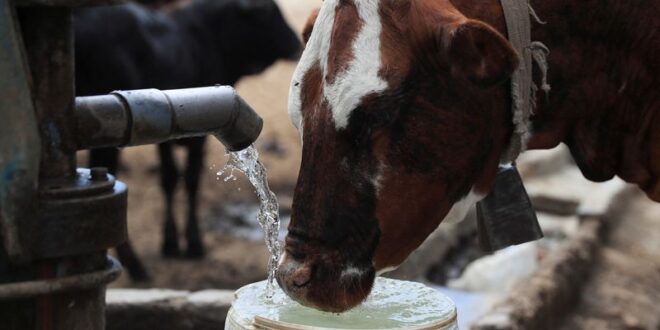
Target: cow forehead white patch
point(361, 76)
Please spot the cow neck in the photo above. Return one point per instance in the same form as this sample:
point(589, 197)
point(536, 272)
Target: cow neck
point(517, 15)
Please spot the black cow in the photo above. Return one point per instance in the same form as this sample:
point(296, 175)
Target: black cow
point(204, 43)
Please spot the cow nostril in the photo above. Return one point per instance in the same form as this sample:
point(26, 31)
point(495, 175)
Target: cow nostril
point(302, 276)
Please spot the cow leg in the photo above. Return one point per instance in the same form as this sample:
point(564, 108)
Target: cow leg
point(192, 176)
point(169, 175)
point(105, 157)
point(136, 271)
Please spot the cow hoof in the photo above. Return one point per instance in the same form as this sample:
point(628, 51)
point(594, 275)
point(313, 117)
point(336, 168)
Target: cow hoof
point(195, 251)
point(170, 250)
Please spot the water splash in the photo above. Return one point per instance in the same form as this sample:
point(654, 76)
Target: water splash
point(247, 161)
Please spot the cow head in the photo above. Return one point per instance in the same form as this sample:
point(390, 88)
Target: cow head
point(403, 123)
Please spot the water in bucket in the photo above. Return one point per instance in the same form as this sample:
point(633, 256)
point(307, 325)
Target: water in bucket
point(392, 304)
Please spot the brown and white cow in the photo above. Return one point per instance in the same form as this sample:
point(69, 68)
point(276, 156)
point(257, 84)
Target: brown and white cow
point(404, 114)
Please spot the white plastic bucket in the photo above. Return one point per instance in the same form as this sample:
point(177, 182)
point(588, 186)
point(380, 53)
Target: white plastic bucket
point(392, 304)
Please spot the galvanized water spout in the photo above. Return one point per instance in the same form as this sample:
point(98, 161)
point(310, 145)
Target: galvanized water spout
point(130, 118)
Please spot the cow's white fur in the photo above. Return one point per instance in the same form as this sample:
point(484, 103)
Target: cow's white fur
point(352, 272)
point(386, 270)
point(282, 257)
point(460, 209)
point(361, 76)
point(377, 178)
point(318, 43)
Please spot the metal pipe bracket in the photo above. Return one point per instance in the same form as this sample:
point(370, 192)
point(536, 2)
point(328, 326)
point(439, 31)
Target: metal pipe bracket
point(81, 216)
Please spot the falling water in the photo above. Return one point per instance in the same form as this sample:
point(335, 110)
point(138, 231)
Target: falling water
point(247, 161)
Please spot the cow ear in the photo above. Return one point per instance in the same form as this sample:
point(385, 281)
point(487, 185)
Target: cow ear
point(479, 53)
point(309, 25)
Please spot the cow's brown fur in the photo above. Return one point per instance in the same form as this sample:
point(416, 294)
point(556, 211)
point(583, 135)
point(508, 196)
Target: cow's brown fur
point(424, 195)
point(605, 76)
point(432, 58)
point(414, 37)
point(444, 122)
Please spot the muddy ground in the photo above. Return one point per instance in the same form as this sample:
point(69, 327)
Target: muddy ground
point(622, 295)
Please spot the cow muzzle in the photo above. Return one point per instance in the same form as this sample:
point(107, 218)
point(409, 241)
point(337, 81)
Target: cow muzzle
point(321, 284)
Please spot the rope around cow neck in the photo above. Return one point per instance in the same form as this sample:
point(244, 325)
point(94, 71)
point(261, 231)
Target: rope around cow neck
point(517, 15)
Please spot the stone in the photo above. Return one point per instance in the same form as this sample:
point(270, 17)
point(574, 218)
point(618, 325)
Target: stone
point(134, 309)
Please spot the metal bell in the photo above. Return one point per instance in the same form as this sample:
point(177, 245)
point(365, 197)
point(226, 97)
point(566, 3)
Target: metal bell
point(506, 216)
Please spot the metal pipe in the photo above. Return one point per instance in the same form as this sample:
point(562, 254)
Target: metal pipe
point(77, 282)
point(147, 116)
point(49, 30)
point(47, 34)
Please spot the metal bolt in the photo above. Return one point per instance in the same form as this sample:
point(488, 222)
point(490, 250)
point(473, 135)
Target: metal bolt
point(99, 174)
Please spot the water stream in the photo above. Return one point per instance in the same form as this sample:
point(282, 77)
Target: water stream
point(247, 161)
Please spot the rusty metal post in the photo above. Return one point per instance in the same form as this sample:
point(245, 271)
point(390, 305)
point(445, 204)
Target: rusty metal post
point(48, 37)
